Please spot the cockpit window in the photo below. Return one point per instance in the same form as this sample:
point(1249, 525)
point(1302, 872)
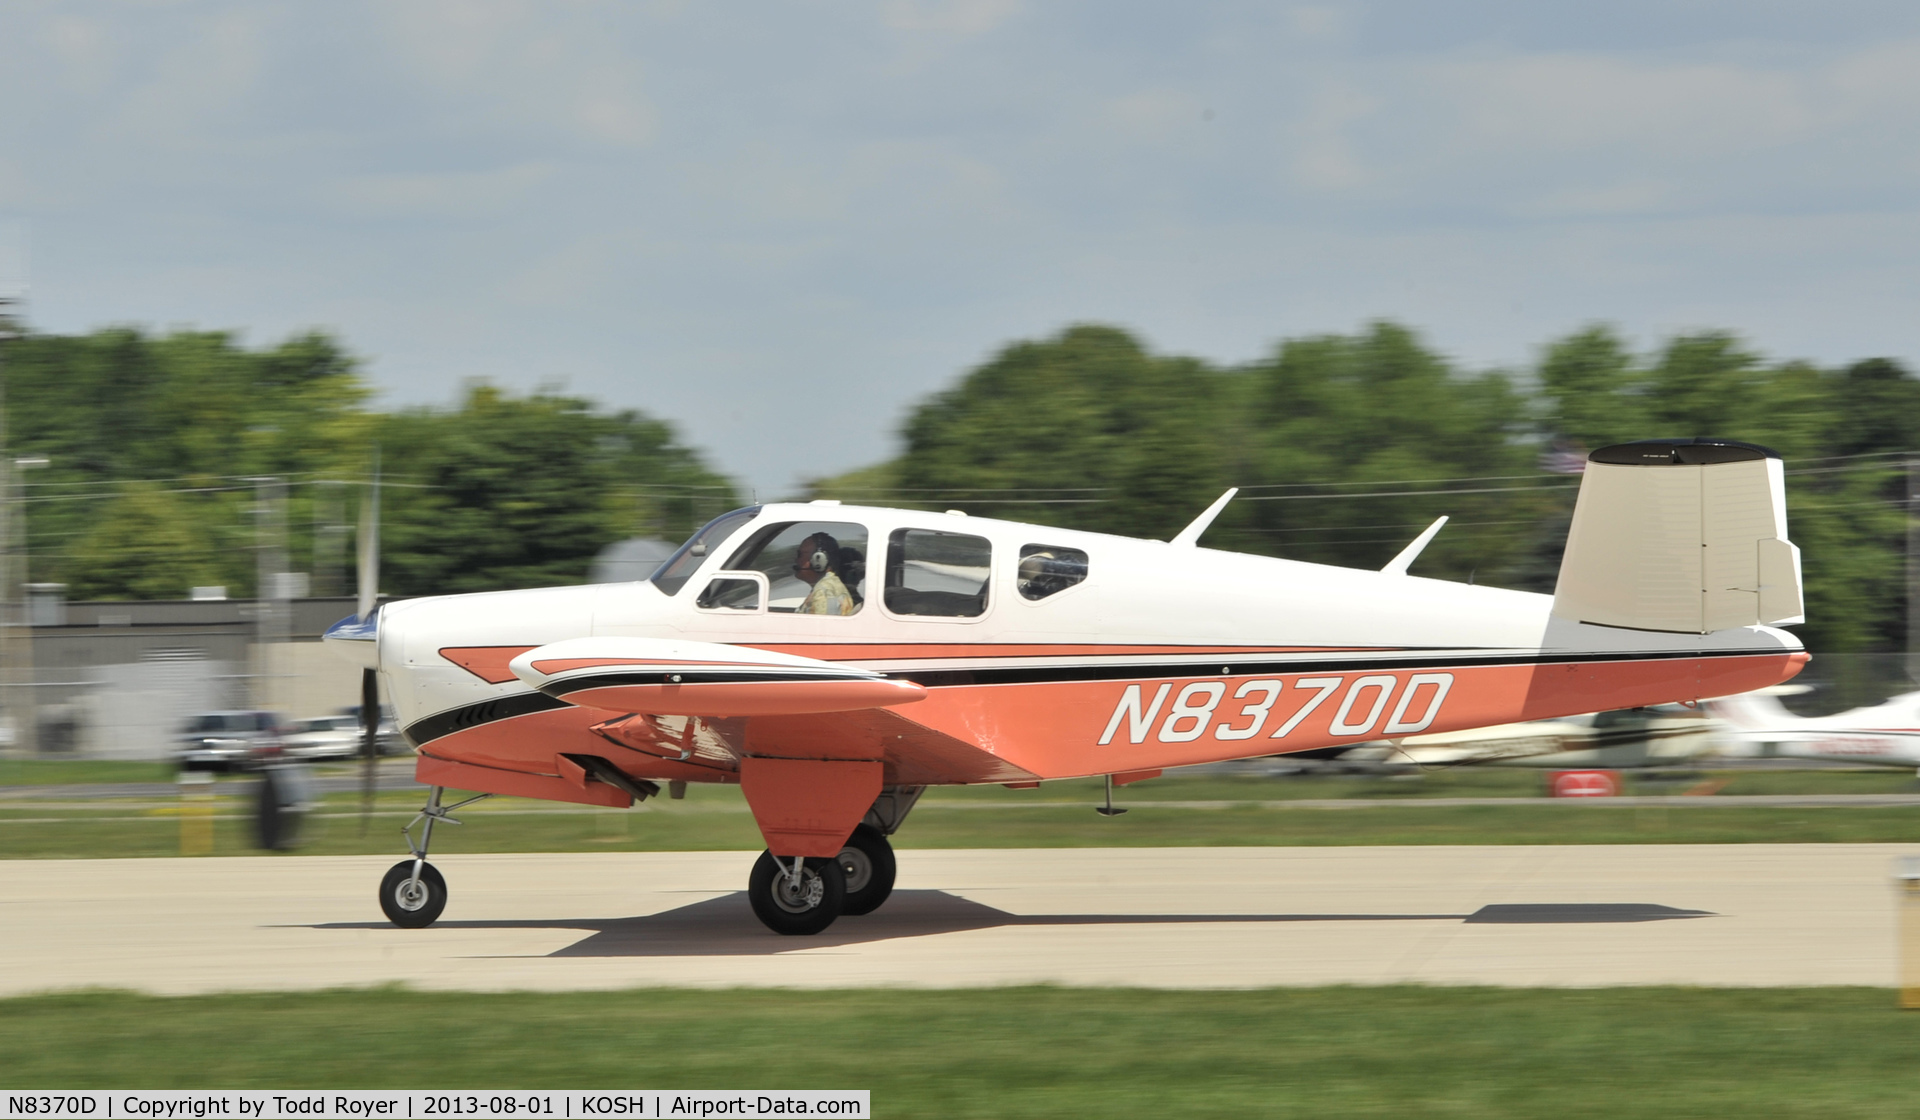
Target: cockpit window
point(1046, 569)
point(812, 567)
point(671, 576)
point(937, 574)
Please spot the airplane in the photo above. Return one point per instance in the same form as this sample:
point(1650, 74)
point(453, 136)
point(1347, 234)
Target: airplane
point(1662, 735)
point(767, 653)
point(1884, 734)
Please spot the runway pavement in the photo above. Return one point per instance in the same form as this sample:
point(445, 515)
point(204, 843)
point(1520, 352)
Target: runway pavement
point(1716, 915)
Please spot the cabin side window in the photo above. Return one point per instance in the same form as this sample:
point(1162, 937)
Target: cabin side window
point(1049, 569)
point(812, 567)
point(730, 593)
point(937, 575)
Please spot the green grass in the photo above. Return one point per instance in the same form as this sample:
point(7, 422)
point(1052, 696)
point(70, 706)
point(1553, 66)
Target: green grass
point(716, 818)
point(1459, 781)
point(59, 772)
point(1026, 1052)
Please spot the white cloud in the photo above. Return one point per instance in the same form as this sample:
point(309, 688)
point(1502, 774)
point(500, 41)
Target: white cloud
point(1324, 153)
point(954, 17)
point(1157, 114)
point(435, 195)
point(520, 65)
point(1573, 103)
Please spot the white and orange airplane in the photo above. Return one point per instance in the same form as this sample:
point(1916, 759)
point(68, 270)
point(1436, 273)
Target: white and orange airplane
point(1883, 734)
point(836, 660)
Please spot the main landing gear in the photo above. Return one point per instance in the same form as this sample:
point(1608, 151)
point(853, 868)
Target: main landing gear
point(412, 893)
point(800, 896)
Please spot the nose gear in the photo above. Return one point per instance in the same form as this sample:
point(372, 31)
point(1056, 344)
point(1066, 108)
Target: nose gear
point(413, 893)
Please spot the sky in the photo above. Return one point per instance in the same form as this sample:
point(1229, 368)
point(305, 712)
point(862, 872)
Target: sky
point(781, 225)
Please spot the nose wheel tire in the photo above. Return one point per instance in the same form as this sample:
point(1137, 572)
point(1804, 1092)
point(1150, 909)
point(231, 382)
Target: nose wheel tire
point(409, 904)
point(796, 909)
point(867, 863)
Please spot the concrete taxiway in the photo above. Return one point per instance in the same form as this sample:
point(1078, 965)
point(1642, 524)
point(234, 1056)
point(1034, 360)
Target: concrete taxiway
point(1733, 915)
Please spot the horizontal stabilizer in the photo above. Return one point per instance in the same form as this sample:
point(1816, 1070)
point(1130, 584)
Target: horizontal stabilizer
point(1688, 536)
point(661, 676)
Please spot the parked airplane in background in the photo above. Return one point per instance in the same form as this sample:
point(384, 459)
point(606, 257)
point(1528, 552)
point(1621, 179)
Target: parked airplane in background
point(1886, 734)
point(1664, 735)
point(834, 661)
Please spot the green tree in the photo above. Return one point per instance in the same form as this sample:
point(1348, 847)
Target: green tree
point(1350, 446)
point(145, 545)
point(192, 413)
point(513, 491)
point(1085, 430)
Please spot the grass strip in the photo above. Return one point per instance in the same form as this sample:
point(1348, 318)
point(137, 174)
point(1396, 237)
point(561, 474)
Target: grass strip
point(60, 772)
point(718, 820)
point(1458, 781)
point(1027, 1052)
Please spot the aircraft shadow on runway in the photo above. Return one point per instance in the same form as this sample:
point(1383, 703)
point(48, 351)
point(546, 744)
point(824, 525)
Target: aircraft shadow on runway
point(724, 926)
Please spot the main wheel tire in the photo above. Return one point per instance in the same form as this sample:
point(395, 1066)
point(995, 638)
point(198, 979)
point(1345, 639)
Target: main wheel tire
point(407, 905)
point(802, 912)
point(867, 863)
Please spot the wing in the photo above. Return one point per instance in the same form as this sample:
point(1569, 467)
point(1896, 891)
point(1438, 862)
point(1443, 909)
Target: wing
point(711, 704)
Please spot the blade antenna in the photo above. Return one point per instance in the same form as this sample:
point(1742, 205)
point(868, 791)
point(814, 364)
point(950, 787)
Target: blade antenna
point(1189, 537)
point(1399, 564)
point(368, 593)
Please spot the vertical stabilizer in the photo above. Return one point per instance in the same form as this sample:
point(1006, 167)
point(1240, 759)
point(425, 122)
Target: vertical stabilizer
point(1680, 535)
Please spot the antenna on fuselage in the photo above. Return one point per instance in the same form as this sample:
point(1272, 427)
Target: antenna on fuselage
point(1398, 565)
point(1108, 810)
point(1189, 537)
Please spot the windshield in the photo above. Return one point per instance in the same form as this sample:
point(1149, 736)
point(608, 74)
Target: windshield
point(679, 568)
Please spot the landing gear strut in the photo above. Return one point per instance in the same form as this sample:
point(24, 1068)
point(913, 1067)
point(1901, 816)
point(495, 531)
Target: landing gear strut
point(413, 893)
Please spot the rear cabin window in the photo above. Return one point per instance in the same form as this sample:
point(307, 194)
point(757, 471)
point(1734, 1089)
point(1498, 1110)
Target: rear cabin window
point(812, 567)
point(1048, 569)
point(937, 575)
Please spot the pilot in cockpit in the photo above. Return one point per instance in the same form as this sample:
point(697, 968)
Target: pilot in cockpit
point(816, 563)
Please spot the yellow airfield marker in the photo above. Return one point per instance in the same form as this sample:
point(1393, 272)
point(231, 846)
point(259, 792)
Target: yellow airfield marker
point(196, 813)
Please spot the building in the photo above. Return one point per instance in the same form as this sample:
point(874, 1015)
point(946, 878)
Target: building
point(117, 679)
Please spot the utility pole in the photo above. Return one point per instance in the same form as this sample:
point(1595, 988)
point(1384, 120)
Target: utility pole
point(15, 641)
point(271, 592)
point(329, 537)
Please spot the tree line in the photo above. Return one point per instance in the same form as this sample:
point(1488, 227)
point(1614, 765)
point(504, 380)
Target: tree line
point(155, 445)
point(1344, 446)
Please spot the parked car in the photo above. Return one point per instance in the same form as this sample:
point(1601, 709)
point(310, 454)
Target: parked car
point(231, 741)
point(324, 739)
point(337, 738)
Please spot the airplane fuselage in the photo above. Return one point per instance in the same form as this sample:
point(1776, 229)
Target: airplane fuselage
point(1143, 655)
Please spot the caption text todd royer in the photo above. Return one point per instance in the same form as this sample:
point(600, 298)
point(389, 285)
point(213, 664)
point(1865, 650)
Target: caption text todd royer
point(454, 1104)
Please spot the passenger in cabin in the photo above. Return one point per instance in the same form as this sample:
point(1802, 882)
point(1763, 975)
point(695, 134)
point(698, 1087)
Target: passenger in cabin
point(852, 570)
point(815, 563)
